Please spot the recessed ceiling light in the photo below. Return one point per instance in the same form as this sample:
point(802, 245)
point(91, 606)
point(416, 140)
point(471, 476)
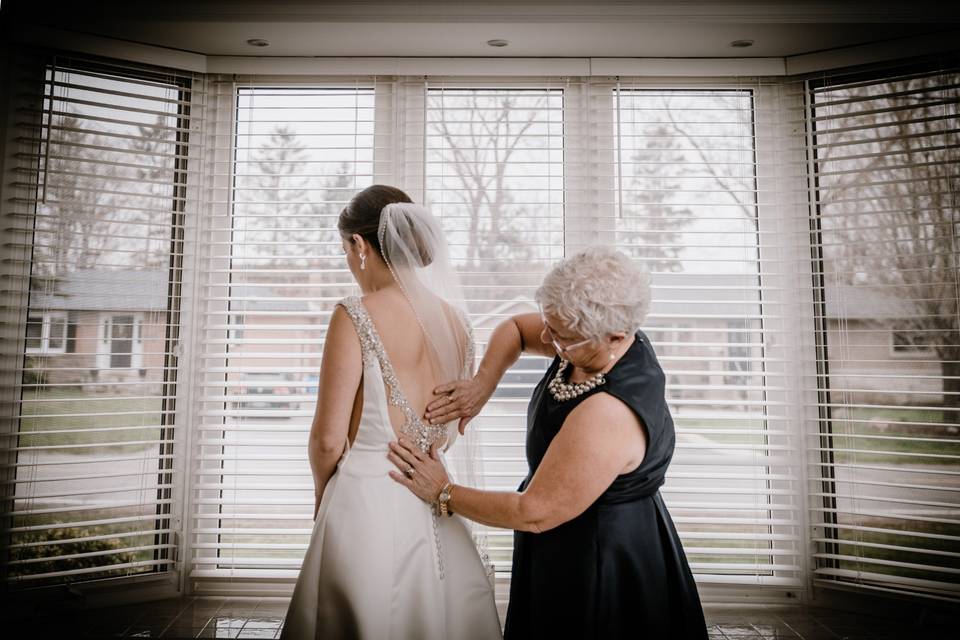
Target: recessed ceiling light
point(741, 44)
point(258, 42)
point(497, 42)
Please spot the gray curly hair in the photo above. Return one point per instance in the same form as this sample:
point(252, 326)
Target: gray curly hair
point(597, 292)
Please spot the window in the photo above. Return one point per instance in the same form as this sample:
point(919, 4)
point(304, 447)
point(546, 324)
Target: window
point(885, 152)
point(91, 484)
point(704, 182)
point(273, 270)
point(687, 206)
point(520, 174)
point(495, 177)
point(47, 333)
point(122, 341)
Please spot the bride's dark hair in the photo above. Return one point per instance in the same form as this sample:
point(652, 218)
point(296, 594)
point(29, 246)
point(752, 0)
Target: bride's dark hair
point(361, 216)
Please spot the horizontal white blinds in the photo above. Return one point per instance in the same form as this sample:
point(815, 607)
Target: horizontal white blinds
point(101, 179)
point(694, 206)
point(494, 174)
point(886, 155)
point(520, 173)
point(284, 162)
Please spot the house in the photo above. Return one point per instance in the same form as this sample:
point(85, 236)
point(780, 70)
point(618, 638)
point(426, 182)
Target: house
point(96, 326)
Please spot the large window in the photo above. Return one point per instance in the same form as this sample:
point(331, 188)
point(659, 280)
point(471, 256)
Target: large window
point(93, 459)
point(687, 208)
point(495, 177)
point(274, 269)
point(709, 184)
point(886, 159)
point(520, 174)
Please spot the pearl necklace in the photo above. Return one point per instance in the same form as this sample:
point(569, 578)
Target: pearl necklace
point(561, 390)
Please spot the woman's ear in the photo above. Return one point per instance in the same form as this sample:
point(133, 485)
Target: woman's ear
point(616, 339)
point(359, 244)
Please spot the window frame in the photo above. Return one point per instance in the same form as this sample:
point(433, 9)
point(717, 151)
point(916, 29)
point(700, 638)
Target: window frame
point(163, 578)
point(46, 322)
point(825, 526)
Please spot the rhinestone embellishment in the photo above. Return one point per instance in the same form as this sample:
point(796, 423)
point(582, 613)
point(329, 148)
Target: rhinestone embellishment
point(561, 390)
point(420, 433)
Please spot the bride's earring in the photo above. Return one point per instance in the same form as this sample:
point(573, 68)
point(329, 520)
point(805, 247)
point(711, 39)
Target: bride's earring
point(363, 261)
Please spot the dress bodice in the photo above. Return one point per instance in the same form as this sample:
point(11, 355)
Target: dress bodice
point(381, 385)
point(638, 381)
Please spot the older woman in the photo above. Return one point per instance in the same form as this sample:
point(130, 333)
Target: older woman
point(596, 554)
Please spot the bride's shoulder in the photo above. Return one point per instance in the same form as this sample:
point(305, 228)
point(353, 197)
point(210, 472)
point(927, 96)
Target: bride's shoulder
point(352, 304)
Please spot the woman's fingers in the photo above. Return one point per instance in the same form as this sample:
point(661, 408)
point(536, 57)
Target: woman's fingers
point(447, 388)
point(404, 454)
point(446, 416)
point(412, 450)
point(401, 479)
point(439, 403)
point(399, 462)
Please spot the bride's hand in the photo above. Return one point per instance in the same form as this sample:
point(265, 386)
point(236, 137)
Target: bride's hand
point(423, 474)
point(460, 399)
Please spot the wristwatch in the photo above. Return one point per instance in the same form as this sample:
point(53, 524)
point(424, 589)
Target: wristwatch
point(443, 499)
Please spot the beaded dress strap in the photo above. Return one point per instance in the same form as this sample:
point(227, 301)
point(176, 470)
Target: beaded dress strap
point(422, 434)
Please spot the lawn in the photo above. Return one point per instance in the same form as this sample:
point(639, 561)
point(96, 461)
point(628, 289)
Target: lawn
point(862, 435)
point(81, 423)
point(873, 545)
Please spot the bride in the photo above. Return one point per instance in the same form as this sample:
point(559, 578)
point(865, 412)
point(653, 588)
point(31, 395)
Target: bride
point(382, 563)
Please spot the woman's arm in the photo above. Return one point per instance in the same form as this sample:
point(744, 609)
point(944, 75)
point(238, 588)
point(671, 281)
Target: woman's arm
point(340, 373)
point(599, 440)
point(465, 398)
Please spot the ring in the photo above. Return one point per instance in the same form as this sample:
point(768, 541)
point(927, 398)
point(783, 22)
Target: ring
point(409, 472)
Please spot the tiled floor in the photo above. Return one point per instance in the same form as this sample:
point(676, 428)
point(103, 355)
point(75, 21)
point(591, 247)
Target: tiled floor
point(253, 618)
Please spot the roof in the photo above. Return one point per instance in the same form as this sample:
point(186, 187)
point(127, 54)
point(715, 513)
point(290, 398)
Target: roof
point(143, 290)
point(103, 290)
point(865, 303)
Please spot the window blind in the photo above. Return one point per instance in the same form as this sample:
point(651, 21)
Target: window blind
point(100, 204)
point(670, 177)
point(520, 173)
point(285, 160)
point(694, 206)
point(885, 160)
point(494, 174)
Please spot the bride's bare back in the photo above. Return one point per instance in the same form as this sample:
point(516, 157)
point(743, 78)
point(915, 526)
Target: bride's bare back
point(407, 348)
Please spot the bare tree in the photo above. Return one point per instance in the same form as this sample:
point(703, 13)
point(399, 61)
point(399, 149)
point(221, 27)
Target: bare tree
point(104, 196)
point(73, 225)
point(478, 148)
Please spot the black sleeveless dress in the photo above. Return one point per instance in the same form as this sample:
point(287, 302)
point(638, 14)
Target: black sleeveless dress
point(617, 570)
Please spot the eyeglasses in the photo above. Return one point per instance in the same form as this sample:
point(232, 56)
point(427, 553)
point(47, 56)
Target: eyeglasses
point(561, 349)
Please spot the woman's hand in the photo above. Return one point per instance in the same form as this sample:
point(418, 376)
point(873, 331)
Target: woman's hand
point(424, 475)
point(461, 399)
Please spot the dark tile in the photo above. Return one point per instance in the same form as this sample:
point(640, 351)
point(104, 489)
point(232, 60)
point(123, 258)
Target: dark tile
point(263, 622)
point(210, 632)
point(258, 633)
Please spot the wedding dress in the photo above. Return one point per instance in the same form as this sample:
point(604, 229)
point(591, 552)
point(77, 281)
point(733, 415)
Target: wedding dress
point(380, 564)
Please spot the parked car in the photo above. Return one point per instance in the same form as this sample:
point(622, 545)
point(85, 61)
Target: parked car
point(264, 391)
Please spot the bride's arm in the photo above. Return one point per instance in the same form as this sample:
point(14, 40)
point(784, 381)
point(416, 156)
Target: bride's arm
point(465, 398)
point(340, 373)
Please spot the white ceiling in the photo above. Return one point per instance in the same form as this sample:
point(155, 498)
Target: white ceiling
point(457, 28)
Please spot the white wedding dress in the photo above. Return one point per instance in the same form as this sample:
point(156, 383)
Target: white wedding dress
point(380, 564)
